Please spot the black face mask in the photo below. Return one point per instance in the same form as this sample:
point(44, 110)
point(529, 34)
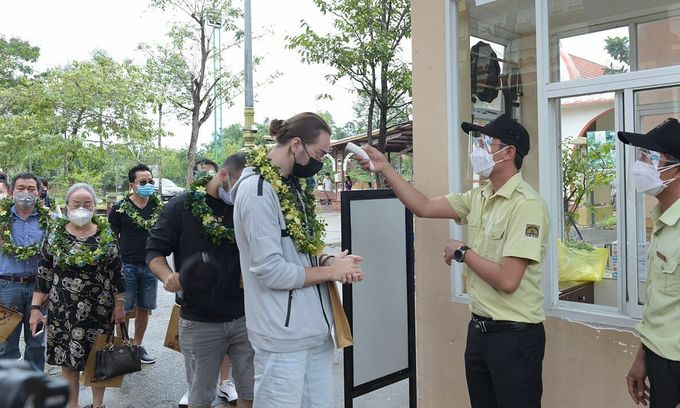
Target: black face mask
point(43, 194)
point(308, 170)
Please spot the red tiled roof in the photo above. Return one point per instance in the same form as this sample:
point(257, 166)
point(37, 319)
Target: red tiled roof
point(579, 68)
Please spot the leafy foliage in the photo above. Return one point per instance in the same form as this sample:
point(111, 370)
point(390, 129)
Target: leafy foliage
point(71, 123)
point(584, 168)
point(192, 87)
point(366, 47)
point(619, 49)
point(16, 59)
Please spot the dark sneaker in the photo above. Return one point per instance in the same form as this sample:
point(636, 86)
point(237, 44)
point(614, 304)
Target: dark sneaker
point(145, 357)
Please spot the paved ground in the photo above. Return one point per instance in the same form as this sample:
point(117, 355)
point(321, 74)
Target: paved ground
point(162, 384)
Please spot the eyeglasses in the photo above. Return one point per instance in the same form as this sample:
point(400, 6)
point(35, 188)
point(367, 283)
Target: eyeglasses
point(88, 205)
point(145, 182)
point(317, 157)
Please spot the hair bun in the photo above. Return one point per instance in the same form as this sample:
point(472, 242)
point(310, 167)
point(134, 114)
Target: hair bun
point(277, 128)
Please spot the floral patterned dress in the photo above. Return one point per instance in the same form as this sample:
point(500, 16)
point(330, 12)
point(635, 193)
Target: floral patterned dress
point(81, 301)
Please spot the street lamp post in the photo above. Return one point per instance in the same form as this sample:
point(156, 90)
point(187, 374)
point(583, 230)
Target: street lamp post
point(249, 109)
point(215, 21)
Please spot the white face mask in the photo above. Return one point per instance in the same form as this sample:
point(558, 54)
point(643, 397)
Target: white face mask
point(482, 161)
point(647, 178)
point(80, 216)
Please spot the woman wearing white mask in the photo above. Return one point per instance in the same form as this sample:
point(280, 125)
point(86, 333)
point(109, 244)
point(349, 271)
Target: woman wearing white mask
point(656, 172)
point(81, 272)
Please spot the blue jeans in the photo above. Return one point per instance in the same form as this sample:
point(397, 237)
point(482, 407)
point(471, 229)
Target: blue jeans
point(18, 297)
point(301, 379)
point(141, 287)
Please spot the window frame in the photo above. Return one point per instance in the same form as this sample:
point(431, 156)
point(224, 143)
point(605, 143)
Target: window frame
point(626, 315)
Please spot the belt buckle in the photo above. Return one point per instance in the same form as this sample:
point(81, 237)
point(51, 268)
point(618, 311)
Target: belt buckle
point(480, 324)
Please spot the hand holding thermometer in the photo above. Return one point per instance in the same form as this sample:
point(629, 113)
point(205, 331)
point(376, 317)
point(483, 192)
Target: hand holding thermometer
point(351, 147)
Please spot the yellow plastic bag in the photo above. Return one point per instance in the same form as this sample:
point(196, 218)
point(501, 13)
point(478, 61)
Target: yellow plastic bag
point(580, 264)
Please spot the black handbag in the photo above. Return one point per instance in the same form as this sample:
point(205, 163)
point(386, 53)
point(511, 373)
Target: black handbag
point(113, 361)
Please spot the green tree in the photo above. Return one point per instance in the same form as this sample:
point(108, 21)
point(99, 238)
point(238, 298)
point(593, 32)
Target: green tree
point(583, 169)
point(185, 61)
point(74, 121)
point(338, 131)
point(619, 49)
point(16, 61)
point(366, 47)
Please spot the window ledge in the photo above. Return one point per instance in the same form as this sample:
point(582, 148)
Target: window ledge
point(595, 319)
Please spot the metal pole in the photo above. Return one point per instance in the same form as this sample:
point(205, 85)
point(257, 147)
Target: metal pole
point(219, 63)
point(160, 151)
point(249, 110)
point(215, 75)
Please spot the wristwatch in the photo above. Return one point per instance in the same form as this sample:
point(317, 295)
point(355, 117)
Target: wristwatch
point(459, 254)
point(36, 307)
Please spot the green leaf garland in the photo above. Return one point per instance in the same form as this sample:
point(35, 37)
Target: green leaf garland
point(210, 224)
point(67, 253)
point(297, 223)
point(8, 247)
point(126, 207)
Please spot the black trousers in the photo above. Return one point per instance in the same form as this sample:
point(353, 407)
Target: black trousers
point(504, 369)
point(664, 380)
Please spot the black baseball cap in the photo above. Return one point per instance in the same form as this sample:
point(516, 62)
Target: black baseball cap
point(506, 129)
point(665, 138)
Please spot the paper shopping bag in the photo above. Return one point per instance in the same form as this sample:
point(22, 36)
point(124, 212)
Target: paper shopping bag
point(87, 378)
point(343, 334)
point(9, 320)
point(172, 334)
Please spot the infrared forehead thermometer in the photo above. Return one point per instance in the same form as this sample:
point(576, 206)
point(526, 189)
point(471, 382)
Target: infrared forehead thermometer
point(351, 147)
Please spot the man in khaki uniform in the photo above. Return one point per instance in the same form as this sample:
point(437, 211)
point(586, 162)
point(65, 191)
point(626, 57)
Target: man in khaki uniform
point(656, 172)
point(508, 230)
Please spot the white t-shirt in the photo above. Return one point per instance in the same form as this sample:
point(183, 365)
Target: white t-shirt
point(327, 184)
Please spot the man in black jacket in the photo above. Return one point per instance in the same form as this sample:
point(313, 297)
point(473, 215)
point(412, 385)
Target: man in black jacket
point(197, 226)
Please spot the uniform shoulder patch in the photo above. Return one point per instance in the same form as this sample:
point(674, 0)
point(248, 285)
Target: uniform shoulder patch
point(532, 230)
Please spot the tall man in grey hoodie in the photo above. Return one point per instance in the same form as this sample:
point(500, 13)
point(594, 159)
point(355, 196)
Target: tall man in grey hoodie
point(288, 309)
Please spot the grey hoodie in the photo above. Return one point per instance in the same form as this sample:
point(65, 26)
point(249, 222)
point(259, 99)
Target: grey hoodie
point(281, 314)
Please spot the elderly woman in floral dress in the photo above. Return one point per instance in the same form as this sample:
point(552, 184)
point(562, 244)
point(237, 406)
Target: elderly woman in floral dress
point(81, 273)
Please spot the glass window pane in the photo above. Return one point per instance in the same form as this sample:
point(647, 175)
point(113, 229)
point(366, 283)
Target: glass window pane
point(497, 72)
point(651, 108)
point(587, 256)
point(607, 37)
point(584, 56)
point(658, 43)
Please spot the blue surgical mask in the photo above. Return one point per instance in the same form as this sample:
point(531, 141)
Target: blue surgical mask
point(146, 190)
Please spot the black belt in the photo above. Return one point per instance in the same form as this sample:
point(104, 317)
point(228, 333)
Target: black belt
point(488, 325)
point(19, 279)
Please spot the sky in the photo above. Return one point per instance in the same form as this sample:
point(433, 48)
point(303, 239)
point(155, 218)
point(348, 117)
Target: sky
point(70, 30)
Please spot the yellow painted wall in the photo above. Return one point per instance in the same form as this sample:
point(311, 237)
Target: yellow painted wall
point(584, 367)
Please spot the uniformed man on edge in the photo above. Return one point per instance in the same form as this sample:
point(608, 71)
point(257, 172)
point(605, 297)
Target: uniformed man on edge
point(508, 230)
point(656, 172)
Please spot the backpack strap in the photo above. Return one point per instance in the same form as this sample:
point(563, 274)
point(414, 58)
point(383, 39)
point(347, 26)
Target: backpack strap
point(260, 184)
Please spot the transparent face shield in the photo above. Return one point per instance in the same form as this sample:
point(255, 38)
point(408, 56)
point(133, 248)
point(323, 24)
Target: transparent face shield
point(660, 161)
point(475, 141)
point(483, 142)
